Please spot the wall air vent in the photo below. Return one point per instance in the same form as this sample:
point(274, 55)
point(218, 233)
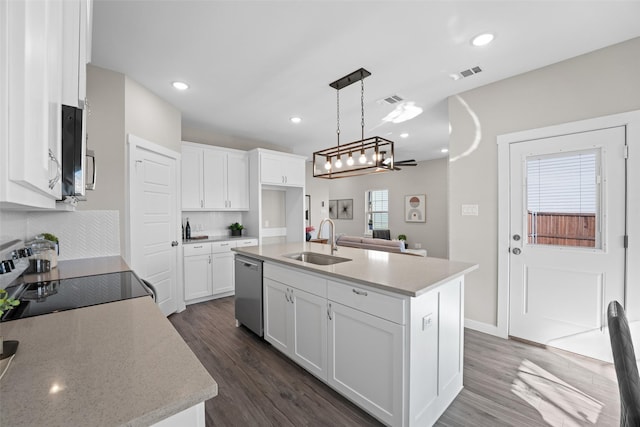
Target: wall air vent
point(392, 99)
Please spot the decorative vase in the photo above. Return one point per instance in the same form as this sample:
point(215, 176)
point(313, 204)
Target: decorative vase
point(236, 232)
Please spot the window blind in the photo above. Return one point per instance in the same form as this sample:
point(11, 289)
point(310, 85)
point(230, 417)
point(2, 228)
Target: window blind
point(563, 184)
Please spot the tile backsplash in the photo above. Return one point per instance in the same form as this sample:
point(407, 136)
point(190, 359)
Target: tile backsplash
point(212, 223)
point(82, 234)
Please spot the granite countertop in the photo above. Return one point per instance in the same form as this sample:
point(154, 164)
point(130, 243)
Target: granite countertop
point(216, 239)
point(398, 273)
point(120, 363)
point(80, 267)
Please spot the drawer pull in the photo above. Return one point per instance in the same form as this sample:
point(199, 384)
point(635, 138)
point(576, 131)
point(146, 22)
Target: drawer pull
point(357, 292)
point(197, 247)
point(224, 244)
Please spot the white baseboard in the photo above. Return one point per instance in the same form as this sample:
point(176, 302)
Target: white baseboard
point(486, 328)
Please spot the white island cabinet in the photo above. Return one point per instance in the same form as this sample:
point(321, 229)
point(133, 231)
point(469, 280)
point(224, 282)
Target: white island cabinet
point(384, 330)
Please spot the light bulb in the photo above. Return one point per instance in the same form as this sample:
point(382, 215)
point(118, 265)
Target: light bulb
point(375, 157)
point(327, 165)
point(338, 163)
point(350, 160)
point(363, 158)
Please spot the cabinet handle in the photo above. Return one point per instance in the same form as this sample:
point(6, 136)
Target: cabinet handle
point(229, 203)
point(202, 203)
point(286, 295)
point(197, 247)
point(357, 292)
point(209, 259)
point(291, 296)
point(55, 179)
point(329, 312)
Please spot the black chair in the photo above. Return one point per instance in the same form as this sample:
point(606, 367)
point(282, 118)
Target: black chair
point(624, 359)
point(382, 234)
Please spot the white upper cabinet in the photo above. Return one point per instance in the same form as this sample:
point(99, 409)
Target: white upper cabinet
point(30, 98)
point(76, 51)
point(214, 179)
point(281, 169)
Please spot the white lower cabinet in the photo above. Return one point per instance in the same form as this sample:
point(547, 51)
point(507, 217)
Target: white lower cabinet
point(295, 322)
point(209, 270)
point(197, 271)
point(366, 361)
point(399, 358)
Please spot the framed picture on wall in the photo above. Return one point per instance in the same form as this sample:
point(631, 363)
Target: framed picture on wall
point(345, 209)
point(333, 209)
point(415, 208)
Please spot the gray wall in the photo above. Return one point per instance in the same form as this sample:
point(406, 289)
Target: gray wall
point(429, 177)
point(596, 84)
point(120, 106)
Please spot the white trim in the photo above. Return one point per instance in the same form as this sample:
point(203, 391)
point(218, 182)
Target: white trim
point(630, 119)
point(134, 142)
point(485, 328)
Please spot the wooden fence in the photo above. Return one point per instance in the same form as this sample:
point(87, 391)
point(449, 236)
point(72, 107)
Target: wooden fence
point(562, 229)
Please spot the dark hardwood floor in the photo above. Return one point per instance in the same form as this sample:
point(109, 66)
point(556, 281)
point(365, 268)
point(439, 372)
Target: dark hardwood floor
point(506, 382)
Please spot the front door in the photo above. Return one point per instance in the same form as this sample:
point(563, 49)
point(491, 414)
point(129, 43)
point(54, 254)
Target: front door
point(153, 224)
point(567, 230)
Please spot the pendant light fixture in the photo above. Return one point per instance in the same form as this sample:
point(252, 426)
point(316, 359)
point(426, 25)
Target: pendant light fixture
point(328, 163)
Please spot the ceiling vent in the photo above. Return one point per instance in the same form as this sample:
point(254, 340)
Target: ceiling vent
point(471, 71)
point(392, 99)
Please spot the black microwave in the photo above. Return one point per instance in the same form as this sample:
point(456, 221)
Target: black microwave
point(75, 155)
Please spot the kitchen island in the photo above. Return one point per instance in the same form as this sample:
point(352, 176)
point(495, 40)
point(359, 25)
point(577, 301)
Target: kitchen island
point(385, 330)
point(119, 363)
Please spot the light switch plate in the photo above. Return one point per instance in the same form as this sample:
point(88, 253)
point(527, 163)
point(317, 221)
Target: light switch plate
point(469, 210)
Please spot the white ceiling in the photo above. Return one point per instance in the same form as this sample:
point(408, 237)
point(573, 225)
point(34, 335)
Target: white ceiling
point(252, 65)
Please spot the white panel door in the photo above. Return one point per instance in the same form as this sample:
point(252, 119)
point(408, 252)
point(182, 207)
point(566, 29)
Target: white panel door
point(366, 360)
point(197, 277)
point(277, 318)
point(192, 193)
point(567, 225)
point(154, 225)
point(215, 179)
point(223, 272)
point(309, 332)
point(238, 181)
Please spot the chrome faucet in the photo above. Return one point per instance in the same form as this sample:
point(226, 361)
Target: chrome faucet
point(332, 235)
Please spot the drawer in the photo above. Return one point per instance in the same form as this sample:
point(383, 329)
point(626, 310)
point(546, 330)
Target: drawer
point(296, 279)
point(368, 301)
point(196, 249)
point(225, 246)
point(246, 242)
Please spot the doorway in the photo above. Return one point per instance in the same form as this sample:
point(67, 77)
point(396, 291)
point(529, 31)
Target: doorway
point(153, 219)
point(567, 226)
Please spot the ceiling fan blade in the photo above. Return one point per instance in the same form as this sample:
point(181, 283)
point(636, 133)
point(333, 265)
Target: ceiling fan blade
point(406, 163)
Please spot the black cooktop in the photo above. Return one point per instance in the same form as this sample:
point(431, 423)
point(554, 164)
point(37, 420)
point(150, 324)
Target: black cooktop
point(67, 294)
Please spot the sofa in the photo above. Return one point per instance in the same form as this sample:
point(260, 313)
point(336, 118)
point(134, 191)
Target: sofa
point(396, 246)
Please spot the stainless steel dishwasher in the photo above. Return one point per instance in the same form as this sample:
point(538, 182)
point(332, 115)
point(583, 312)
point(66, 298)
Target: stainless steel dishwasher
point(249, 293)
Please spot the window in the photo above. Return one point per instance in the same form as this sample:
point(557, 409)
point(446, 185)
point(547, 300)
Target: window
point(562, 199)
point(376, 210)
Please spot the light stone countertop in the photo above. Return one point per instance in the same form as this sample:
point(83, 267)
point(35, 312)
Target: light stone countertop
point(216, 239)
point(399, 273)
point(120, 363)
point(80, 267)
point(112, 364)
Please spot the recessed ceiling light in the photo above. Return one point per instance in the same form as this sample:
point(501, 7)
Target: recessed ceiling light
point(295, 120)
point(404, 135)
point(482, 39)
point(180, 85)
point(444, 150)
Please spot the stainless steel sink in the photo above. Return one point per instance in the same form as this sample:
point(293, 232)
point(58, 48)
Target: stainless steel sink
point(316, 258)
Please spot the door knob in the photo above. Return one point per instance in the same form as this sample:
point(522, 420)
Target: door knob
point(516, 251)
point(516, 237)
point(174, 243)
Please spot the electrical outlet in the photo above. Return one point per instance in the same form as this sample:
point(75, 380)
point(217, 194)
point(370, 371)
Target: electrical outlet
point(469, 210)
point(418, 245)
point(427, 321)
